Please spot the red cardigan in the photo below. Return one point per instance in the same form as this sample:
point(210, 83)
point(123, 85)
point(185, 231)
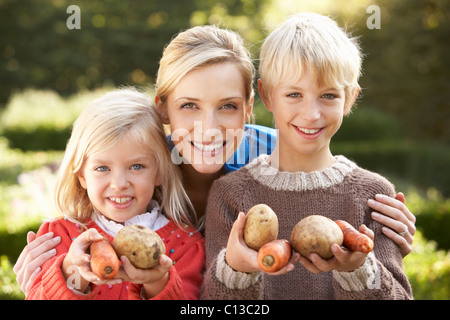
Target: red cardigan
point(185, 248)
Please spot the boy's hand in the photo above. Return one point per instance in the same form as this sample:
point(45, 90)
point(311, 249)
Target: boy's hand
point(244, 259)
point(238, 255)
point(343, 259)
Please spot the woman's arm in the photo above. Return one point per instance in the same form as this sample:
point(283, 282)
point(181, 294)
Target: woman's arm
point(399, 222)
point(33, 256)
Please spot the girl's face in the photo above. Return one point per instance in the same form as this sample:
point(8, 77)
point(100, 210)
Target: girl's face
point(207, 111)
point(307, 116)
point(121, 180)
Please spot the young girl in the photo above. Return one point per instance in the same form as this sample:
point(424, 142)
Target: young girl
point(117, 172)
point(309, 80)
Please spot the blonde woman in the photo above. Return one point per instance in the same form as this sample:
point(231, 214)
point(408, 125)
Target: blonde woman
point(117, 172)
point(204, 92)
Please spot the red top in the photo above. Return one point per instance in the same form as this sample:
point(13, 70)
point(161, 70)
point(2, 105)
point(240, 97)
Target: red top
point(184, 246)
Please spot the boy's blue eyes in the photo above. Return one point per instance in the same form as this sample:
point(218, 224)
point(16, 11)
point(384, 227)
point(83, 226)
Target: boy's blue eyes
point(328, 96)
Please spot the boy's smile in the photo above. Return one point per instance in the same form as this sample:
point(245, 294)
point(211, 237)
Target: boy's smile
point(307, 116)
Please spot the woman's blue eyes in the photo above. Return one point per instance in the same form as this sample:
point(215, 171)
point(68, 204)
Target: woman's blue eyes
point(191, 106)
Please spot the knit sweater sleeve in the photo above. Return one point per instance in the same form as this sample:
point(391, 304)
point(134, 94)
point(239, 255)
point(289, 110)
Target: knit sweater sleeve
point(224, 204)
point(381, 276)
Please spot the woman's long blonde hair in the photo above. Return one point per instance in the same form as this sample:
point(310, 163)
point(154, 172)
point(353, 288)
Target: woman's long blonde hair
point(201, 46)
point(120, 113)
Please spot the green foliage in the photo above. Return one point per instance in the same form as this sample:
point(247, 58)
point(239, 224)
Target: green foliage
point(9, 288)
point(428, 270)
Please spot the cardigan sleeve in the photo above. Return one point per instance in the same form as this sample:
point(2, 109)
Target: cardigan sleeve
point(187, 251)
point(50, 283)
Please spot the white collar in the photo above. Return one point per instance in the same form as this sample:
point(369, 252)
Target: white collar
point(153, 220)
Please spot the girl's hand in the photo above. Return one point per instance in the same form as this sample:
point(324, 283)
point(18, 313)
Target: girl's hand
point(33, 256)
point(343, 259)
point(76, 265)
point(244, 259)
point(395, 215)
point(154, 280)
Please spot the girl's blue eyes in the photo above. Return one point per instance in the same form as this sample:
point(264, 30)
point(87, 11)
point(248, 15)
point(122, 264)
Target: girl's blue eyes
point(133, 167)
point(137, 166)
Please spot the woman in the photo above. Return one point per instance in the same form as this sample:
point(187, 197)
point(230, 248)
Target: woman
point(205, 92)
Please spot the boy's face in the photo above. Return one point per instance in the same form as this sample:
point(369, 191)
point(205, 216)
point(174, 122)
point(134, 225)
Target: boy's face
point(307, 116)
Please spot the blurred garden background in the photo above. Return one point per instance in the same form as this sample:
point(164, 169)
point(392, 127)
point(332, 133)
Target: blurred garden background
point(400, 128)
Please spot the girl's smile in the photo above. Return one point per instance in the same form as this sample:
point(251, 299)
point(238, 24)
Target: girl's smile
point(120, 181)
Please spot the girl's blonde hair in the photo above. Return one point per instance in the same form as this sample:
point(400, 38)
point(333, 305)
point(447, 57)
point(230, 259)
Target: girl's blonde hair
point(316, 42)
point(118, 114)
point(201, 46)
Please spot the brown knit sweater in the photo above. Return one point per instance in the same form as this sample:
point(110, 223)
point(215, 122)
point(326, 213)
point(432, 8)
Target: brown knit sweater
point(338, 192)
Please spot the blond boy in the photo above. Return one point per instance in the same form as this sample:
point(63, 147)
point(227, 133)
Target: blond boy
point(309, 72)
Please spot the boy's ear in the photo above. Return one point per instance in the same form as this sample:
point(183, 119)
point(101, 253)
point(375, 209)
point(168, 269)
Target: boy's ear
point(355, 96)
point(263, 95)
point(161, 110)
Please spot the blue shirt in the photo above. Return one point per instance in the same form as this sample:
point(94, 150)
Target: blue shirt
point(257, 140)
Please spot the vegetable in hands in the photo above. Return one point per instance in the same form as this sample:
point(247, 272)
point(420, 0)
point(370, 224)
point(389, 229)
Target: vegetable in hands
point(104, 261)
point(353, 239)
point(274, 255)
point(261, 226)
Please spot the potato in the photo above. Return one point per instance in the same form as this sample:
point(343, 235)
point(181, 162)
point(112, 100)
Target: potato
point(141, 245)
point(316, 233)
point(261, 226)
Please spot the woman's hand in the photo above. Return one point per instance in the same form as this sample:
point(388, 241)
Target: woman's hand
point(398, 220)
point(33, 256)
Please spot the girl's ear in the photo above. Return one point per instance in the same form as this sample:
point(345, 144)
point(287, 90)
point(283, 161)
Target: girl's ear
point(82, 179)
point(263, 95)
point(161, 110)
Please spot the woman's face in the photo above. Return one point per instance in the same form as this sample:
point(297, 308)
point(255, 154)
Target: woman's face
point(207, 111)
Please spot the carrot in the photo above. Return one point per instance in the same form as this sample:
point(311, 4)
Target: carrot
point(353, 239)
point(274, 255)
point(104, 261)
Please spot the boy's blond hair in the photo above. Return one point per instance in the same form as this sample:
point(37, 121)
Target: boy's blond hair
point(124, 113)
point(201, 46)
point(316, 42)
